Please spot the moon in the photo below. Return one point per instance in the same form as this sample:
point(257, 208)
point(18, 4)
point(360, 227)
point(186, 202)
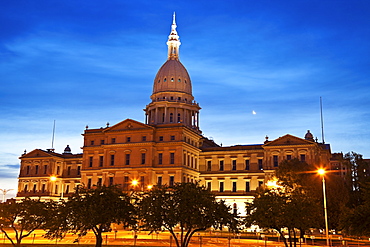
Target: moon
point(254, 113)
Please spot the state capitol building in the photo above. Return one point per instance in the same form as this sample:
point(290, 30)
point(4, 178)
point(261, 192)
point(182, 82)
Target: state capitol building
point(168, 148)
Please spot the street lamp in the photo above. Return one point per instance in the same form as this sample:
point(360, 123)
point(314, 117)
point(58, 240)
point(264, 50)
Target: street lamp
point(4, 193)
point(322, 173)
point(53, 179)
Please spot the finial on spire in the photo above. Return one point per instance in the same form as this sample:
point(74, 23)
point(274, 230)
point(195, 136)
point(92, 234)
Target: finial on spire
point(173, 42)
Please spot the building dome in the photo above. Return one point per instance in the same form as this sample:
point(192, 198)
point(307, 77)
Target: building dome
point(309, 136)
point(172, 77)
point(67, 150)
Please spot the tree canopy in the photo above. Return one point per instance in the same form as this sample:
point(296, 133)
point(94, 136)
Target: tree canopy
point(22, 218)
point(189, 206)
point(93, 209)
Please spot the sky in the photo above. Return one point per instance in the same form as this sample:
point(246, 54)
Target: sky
point(92, 62)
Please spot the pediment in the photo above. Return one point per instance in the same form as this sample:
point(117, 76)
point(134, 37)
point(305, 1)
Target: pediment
point(128, 124)
point(38, 153)
point(288, 140)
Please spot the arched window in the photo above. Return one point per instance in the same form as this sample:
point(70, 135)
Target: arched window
point(178, 118)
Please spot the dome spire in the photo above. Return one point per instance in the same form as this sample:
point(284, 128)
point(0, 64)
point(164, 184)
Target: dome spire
point(173, 42)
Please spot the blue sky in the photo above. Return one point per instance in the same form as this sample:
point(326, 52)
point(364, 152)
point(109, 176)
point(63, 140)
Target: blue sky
point(92, 62)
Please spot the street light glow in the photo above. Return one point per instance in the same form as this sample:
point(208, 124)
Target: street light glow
point(134, 182)
point(321, 171)
point(150, 187)
point(53, 178)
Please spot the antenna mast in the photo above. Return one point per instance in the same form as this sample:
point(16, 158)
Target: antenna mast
point(52, 139)
point(322, 122)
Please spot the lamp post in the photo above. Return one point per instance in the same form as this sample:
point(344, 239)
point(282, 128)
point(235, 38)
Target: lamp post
point(322, 173)
point(4, 193)
point(53, 179)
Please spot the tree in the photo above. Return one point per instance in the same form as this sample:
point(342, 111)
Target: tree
point(189, 206)
point(290, 204)
point(92, 209)
point(22, 218)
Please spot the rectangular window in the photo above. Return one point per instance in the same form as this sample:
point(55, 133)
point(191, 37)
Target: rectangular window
point(111, 181)
point(260, 166)
point(172, 158)
point(78, 170)
point(45, 169)
point(172, 138)
point(56, 189)
point(142, 182)
point(288, 157)
point(92, 143)
point(275, 159)
point(209, 185)
point(143, 158)
point(160, 158)
point(128, 139)
point(247, 165)
point(209, 165)
point(101, 161)
point(234, 186)
point(100, 181)
point(221, 165)
point(172, 180)
point(113, 140)
point(159, 182)
point(247, 187)
point(58, 170)
point(127, 159)
point(28, 170)
point(36, 169)
point(161, 138)
point(25, 188)
point(221, 186)
point(260, 183)
point(101, 142)
point(90, 161)
point(303, 157)
point(125, 183)
point(34, 188)
point(67, 189)
point(89, 183)
point(143, 138)
point(234, 165)
point(43, 188)
point(112, 159)
point(68, 170)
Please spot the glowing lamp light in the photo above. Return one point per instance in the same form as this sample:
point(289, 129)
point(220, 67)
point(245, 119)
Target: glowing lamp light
point(53, 178)
point(150, 187)
point(321, 171)
point(134, 182)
